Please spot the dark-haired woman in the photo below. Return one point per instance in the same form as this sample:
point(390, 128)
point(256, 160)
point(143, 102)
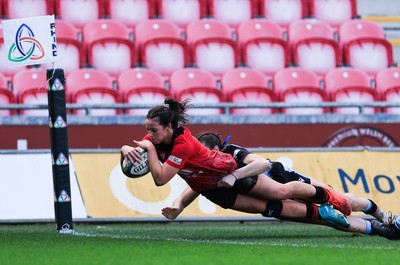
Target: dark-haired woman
point(205, 170)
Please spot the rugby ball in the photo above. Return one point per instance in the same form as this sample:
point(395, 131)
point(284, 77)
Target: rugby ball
point(137, 169)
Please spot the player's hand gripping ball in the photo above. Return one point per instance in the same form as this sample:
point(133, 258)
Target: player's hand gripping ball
point(137, 169)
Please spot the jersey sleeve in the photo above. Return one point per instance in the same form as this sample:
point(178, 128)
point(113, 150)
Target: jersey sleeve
point(237, 152)
point(181, 152)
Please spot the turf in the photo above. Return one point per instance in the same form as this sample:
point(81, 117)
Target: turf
point(192, 243)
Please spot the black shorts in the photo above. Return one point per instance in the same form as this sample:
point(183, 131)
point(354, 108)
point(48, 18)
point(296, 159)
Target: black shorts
point(226, 197)
point(280, 174)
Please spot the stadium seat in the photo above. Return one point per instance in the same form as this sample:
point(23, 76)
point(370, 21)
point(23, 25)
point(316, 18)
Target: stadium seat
point(160, 46)
point(350, 85)
point(141, 86)
point(30, 87)
point(284, 12)
point(388, 86)
point(198, 85)
point(314, 46)
point(297, 85)
point(6, 96)
point(6, 70)
point(333, 12)
point(80, 12)
point(109, 46)
point(365, 46)
point(262, 46)
point(246, 85)
point(91, 86)
point(27, 8)
point(70, 52)
point(211, 46)
point(233, 12)
point(182, 12)
point(130, 12)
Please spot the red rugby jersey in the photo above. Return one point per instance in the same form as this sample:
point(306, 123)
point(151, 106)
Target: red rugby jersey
point(200, 167)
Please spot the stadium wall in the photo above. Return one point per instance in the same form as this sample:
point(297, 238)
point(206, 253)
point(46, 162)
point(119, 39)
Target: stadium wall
point(249, 135)
point(100, 190)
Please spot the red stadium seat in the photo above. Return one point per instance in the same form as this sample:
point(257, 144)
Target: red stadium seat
point(130, 12)
point(245, 85)
point(365, 46)
point(141, 86)
point(233, 12)
point(350, 85)
point(6, 96)
point(91, 86)
point(109, 46)
point(80, 12)
point(182, 12)
point(6, 70)
point(262, 46)
point(388, 86)
point(334, 12)
point(211, 46)
point(70, 52)
point(27, 8)
point(297, 85)
point(314, 46)
point(160, 46)
point(29, 86)
point(198, 85)
point(284, 12)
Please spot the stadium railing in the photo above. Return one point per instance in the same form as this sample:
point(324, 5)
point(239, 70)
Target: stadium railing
point(225, 118)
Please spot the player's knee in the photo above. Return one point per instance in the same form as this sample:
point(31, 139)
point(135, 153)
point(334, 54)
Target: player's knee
point(273, 209)
point(281, 194)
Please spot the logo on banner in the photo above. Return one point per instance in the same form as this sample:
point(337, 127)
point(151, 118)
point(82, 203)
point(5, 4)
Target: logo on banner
point(61, 160)
point(60, 123)
point(64, 197)
point(360, 136)
point(57, 85)
point(66, 229)
point(30, 40)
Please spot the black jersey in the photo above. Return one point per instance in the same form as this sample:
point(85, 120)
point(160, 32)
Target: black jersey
point(277, 172)
point(236, 151)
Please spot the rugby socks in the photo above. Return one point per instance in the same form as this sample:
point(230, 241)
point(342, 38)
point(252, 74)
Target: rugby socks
point(312, 212)
point(371, 207)
point(368, 228)
point(320, 194)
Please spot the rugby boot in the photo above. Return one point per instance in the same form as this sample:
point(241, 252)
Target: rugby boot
point(338, 201)
point(328, 214)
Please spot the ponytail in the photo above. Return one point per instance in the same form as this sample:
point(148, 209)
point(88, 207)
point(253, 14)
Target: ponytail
point(171, 111)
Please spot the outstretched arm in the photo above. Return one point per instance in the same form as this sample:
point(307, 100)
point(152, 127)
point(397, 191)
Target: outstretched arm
point(180, 203)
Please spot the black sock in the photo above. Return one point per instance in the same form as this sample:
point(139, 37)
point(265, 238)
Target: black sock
point(373, 208)
point(320, 194)
point(312, 212)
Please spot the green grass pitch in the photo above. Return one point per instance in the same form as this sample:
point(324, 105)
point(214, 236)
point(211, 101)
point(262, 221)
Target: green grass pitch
point(192, 243)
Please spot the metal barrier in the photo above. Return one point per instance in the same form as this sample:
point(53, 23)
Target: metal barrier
point(225, 118)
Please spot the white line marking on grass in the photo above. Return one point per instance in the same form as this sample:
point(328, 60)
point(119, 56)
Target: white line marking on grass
point(267, 242)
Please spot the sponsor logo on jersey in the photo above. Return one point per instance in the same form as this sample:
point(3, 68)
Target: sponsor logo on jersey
point(175, 159)
point(235, 153)
point(301, 179)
